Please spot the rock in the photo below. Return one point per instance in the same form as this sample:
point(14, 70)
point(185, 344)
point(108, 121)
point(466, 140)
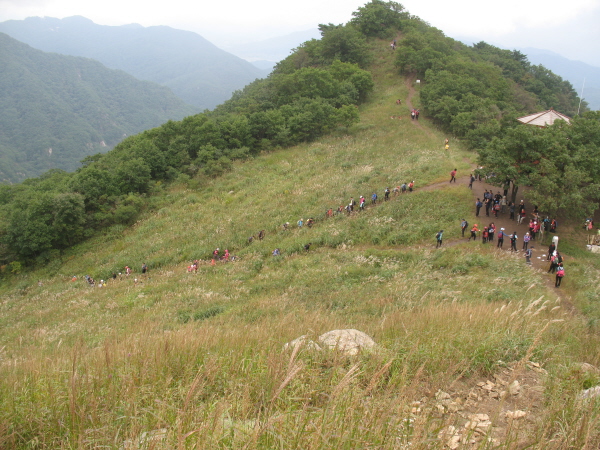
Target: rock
point(514, 388)
point(451, 436)
point(587, 368)
point(518, 414)
point(590, 393)
point(441, 395)
point(302, 341)
point(349, 342)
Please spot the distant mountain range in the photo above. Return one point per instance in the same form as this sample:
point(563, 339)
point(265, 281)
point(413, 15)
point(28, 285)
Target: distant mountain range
point(56, 109)
point(579, 74)
point(196, 70)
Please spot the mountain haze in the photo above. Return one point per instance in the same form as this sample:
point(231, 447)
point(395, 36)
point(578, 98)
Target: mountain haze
point(196, 70)
point(580, 74)
point(56, 109)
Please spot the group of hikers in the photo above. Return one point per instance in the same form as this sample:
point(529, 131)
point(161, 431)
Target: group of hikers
point(128, 271)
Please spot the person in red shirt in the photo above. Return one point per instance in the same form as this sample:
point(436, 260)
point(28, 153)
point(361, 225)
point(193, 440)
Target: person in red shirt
point(453, 176)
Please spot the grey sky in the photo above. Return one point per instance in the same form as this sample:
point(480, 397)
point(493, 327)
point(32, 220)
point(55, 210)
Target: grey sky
point(568, 28)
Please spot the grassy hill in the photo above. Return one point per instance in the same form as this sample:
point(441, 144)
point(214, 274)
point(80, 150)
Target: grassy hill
point(172, 359)
point(56, 109)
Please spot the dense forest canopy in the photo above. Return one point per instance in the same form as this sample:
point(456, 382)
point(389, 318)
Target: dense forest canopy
point(473, 92)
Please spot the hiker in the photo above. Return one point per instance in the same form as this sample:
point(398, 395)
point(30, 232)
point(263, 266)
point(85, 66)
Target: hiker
point(463, 226)
point(300, 223)
point(386, 194)
point(276, 252)
point(310, 222)
point(453, 176)
point(500, 238)
point(438, 238)
point(560, 273)
point(374, 198)
point(474, 231)
point(551, 250)
point(411, 185)
point(471, 180)
point(553, 225)
point(144, 268)
point(412, 114)
point(216, 254)
point(528, 254)
point(526, 240)
point(491, 231)
point(261, 235)
point(513, 241)
point(226, 255)
point(478, 206)
point(417, 112)
point(503, 204)
point(361, 203)
point(307, 246)
point(352, 203)
point(127, 270)
point(403, 188)
point(484, 235)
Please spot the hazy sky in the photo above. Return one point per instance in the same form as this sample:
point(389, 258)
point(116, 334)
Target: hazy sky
point(570, 28)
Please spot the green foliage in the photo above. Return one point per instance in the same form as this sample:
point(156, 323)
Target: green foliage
point(558, 162)
point(379, 19)
point(71, 107)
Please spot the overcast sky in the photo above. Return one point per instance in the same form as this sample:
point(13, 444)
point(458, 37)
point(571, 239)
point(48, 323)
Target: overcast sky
point(570, 28)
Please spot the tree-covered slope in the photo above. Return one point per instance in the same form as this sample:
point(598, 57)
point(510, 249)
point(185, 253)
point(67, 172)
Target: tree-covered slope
point(196, 70)
point(55, 109)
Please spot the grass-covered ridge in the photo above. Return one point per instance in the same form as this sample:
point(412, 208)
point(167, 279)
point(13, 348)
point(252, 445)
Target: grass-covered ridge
point(184, 360)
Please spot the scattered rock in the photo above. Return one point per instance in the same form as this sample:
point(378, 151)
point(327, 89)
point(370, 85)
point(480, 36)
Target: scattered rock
point(590, 393)
point(302, 341)
point(350, 342)
point(514, 388)
point(518, 414)
point(587, 368)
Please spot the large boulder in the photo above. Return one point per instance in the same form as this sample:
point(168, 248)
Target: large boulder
point(302, 341)
point(349, 342)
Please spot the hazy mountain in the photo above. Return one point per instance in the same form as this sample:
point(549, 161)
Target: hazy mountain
point(56, 109)
point(272, 50)
point(195, 70)
point(576, 72)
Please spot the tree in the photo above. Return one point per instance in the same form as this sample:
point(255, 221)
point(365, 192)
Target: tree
point(559, 163)
point(379, 19)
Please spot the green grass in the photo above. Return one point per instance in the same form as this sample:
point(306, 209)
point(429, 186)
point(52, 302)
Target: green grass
point(197, 358)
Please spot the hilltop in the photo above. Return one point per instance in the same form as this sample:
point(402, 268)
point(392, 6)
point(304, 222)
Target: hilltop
point(472, 344)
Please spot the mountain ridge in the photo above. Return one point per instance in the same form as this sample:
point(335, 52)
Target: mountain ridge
point(57, 109)
point(196, 70)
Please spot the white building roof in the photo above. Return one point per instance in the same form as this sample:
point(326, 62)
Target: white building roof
point(544, 118)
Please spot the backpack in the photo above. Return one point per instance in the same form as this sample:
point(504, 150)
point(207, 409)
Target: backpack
point(560, 273)
point(438, 236)
point(500, 235)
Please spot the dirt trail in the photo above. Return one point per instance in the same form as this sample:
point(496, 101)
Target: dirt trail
point(539, 247)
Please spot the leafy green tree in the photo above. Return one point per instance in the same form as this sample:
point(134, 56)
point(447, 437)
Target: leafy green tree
point(379, 19)
point(559, 163)
point(344, 43)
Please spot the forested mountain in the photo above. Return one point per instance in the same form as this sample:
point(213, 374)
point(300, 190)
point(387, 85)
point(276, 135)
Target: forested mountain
point(56, 109)
point(196, 70)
